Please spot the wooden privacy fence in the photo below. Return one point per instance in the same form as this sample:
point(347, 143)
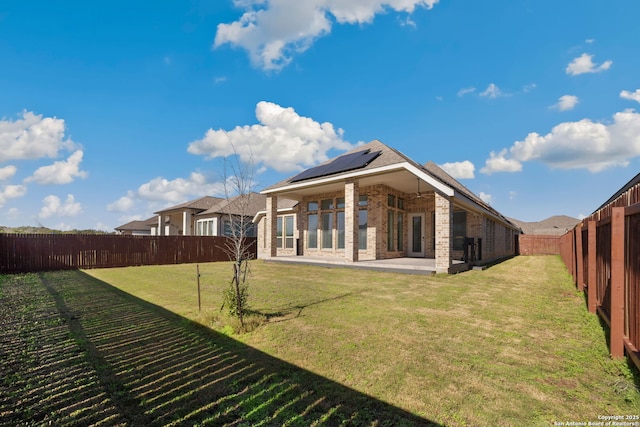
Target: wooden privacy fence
point(603, 257)
point(535, 244)
point(21, 253)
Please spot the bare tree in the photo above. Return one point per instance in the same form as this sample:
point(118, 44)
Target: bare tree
point(238, 187)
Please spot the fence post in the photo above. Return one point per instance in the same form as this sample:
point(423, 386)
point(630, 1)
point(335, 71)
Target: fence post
point(579, 269)
point(592, 280)
point(617, 283)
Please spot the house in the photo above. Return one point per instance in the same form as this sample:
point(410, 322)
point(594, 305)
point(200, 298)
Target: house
point(375, 203)
point(210, 216)
point(205, 216)
point(138, 228)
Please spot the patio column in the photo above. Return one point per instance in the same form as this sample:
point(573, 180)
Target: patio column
point(160, 225)
point(186, 223)
point(271, 227)
point(351, 198)
point(444, 233)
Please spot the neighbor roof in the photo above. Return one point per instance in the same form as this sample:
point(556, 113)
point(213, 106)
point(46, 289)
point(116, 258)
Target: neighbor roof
point(203, 203)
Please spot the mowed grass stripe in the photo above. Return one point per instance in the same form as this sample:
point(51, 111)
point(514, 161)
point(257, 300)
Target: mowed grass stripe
point(509, 345)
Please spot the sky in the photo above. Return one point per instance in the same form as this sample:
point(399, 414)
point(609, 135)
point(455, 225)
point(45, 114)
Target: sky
point(110, 111)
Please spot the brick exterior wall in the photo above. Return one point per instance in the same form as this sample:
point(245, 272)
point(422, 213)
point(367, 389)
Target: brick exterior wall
point(498, 241)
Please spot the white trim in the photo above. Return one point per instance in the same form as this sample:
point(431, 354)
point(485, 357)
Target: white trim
point(259, 214)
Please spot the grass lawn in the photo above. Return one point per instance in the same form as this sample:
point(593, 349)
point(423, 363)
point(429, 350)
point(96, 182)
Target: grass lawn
point(511, 345)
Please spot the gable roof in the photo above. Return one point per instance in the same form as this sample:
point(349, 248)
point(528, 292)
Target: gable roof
point(244, 204)
point(201, 204)
point(389, 159)
point(139, 224)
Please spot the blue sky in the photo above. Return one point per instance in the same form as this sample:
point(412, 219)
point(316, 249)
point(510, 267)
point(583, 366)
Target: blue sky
point(110, 111)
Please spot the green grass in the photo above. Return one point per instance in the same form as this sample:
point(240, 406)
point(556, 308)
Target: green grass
point(510, 345)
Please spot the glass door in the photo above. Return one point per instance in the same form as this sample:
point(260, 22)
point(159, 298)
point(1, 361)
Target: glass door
point(416, 235)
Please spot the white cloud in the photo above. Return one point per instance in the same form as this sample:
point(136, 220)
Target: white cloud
point(499, 163)
point(11, 192)
point(566, 102)
point(492, 92)
point(487, 198)
point(513, 195)
point(60, 172)
point(53, 206)
point(7, 172)
point(584, 64)
point(273, 31)
point(460, 170)
point(576, 145)
point(179, 189)
point(466, 90)
point(123, 204)
point(528, 88)
point(284, 140)
point(32, 137)
point(632, 96)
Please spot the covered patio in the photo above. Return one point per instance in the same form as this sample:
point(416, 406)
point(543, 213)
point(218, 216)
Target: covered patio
point(405, 265)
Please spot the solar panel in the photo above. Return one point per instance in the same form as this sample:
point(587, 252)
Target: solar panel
point(344, 163)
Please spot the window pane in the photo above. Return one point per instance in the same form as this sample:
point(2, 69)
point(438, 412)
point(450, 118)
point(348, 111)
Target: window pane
point(362, 229)
point(400, 230)
point(312, 206)
point(417, 234)
point(340, 202)
point(312, 231)
point(279, 232)
point(327, 230)
point(390, 227)
point(326, 204)
point(391, 201)
point(340, 227)
point(363, 200)
point(459, 230)
point(400, 203)
point(288, 229)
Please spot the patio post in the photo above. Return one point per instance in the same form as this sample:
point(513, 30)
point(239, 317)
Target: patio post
point(351, 197)
point(444, 233)
point(271, 227)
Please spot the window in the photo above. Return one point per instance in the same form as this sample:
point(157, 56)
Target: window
point(340, 229)
point(206, 227)
point(390, 228)
point(459, 230)
point(400, 233)
point(326, 228)
point(284, 232)
point(395, 224)
point(279, 232)
point(312, 206)
point(363, 200)
point(340, 203)
point(312, 231)
point(362, 229)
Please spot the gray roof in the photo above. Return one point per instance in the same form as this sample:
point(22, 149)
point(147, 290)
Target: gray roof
point(139, 224)
point(245, 204)
point(202, 204)
point(553, 226)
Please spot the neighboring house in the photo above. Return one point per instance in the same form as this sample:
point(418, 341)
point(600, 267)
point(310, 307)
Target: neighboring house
point(208, 216)
point(138, 228)
point(375, 203)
